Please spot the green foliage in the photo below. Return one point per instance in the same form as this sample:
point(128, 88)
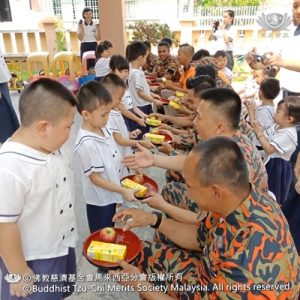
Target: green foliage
point(152, 32)
point(61, 40)
point(218, 3)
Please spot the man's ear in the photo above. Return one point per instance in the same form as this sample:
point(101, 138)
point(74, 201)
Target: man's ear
point(221, 128)
point(42, 127)
point(217, 193)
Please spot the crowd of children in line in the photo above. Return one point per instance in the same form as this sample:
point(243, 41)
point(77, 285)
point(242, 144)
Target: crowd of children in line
point(114, 108)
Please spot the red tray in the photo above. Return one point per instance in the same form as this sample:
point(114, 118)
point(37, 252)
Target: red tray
point(154, 84)
point(149, 183)
point(165, 101)
point(151, 78)
point(127, 238)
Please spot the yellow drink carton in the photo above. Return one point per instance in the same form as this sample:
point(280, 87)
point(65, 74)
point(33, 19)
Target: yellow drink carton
point(106, 251)
point(130, 184)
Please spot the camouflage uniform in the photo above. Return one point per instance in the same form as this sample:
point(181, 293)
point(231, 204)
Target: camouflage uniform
point(251, 248)
point(169, 63)
point(150, 63)
point(187, 142)
point(176, 194)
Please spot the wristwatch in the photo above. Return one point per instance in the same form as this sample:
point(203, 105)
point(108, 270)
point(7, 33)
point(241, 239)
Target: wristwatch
point(158, 221)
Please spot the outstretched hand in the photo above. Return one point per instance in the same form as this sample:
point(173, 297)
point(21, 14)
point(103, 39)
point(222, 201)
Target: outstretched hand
point(141, 159)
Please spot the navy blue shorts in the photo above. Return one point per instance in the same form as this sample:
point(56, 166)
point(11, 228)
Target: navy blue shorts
point(63, 268)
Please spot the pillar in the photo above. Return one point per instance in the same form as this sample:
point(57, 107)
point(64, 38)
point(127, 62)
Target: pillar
point(112, 24)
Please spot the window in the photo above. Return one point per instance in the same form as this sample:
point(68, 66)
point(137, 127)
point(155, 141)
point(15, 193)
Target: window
point(5, 13)
point(57, 8)
point(93, 5)
point(72, 7)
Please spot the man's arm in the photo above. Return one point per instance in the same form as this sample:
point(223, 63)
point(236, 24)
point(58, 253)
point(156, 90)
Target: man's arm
point(183, 235)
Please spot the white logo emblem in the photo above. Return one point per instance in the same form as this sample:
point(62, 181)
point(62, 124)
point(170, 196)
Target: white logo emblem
point(13, 278)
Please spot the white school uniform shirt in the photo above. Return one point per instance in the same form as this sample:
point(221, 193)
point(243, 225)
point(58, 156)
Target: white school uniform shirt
point(137, 81)
point(36, 192)
point(117, 124)
point(264, 115)
point(90, 32)
point(218, 35)
point(102, 66)
point(126, 100)
point(4, 72)
point(228, 73)
point(98, 154)
point(284, 140)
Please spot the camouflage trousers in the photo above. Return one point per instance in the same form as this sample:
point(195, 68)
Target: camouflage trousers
point(171, 267)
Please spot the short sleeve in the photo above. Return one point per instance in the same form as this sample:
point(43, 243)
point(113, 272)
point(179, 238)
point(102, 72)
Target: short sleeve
point(139, 81)
point(113, 125)
point(12, 195)
point(264, 116)
point(283, 142)
point(90, 159)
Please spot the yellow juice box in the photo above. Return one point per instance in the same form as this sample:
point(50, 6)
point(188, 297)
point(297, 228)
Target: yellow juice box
point(106, 251)
point(130, 184)
point(155, 138)
point(179, 94)
point(153, 122)
point(174, 104)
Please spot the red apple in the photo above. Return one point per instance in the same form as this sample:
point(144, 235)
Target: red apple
point(139, 178)
point(108, 235)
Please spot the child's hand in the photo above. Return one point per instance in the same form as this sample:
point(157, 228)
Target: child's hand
point(250, 105)
point(22, 288)
point(147, 144)
point(157, 102)
point(141, 122)
point(134, 134)
point(128, 194)
point(257, 128)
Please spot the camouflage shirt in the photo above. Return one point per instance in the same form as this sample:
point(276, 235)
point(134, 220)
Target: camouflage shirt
point(249, 254)
point(169, 63)
point(257, 171)
point(150, 63)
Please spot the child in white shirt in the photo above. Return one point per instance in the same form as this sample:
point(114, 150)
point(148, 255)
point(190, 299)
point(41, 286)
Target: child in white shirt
point(279, 142)
point(132, 115)
point(37, 221)
point(103, 57)
point(264, 113)
point(99, 156)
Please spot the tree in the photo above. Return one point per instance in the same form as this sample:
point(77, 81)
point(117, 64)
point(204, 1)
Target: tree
point(152, 32)
point(216, 3)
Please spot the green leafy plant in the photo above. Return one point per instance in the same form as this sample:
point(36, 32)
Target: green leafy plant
point(152, 32)
point(216, 3)
point(61, 40)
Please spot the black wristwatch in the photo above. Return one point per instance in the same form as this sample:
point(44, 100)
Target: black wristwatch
point(159, 219)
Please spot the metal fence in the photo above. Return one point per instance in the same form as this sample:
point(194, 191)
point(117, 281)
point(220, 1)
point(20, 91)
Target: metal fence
point(244, 15)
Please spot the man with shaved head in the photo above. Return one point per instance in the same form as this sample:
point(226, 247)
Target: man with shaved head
point(185, 54)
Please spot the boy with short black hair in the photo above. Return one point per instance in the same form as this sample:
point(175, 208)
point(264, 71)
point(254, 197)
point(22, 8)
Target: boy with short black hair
point(139, 89)
point(132, 115)
point(37, 221)
point(100, 158)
